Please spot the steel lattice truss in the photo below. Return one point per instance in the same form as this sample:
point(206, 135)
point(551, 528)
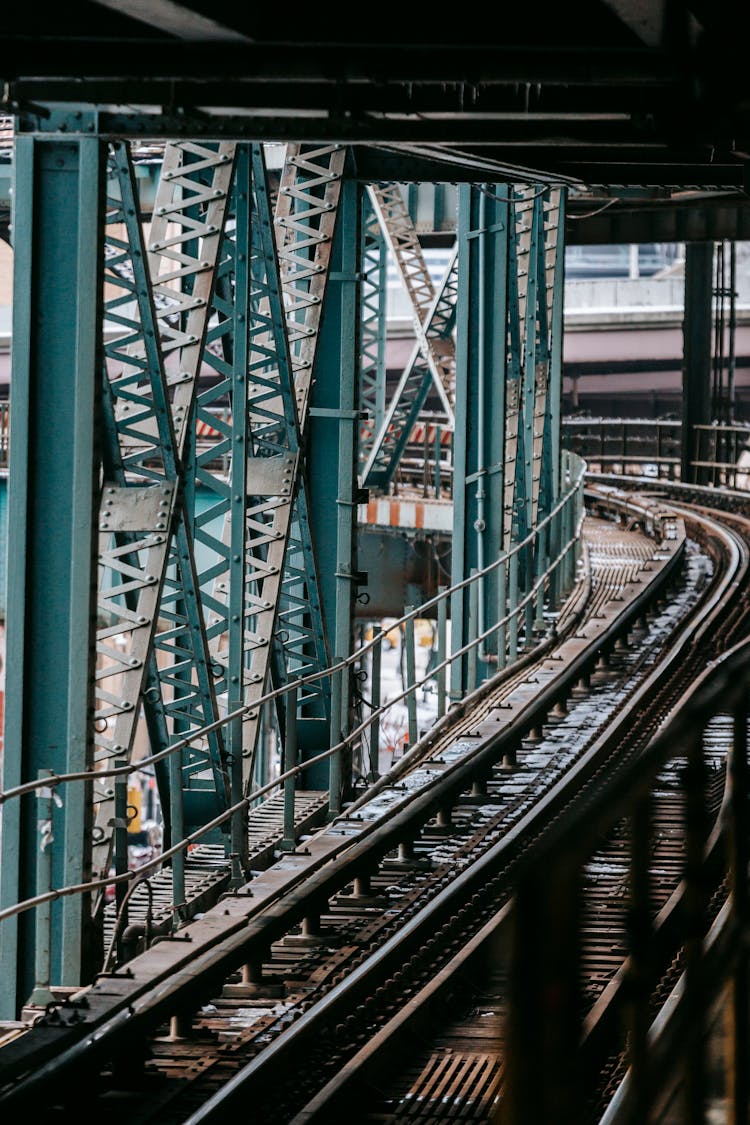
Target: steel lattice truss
point(211, 327)
point(531, 276)
point(432, 363)
point(373, 312)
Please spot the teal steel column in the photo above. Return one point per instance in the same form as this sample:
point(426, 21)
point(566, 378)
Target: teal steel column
point(556, 328)
point(51, 544)
point(481, 318)
point(332, 448)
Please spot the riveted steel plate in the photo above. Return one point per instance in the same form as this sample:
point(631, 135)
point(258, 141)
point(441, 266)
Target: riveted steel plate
point(146, 508)
point(270, 476)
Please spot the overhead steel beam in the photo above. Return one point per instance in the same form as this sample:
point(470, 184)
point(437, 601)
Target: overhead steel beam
point(473, 66)
point(175, 19)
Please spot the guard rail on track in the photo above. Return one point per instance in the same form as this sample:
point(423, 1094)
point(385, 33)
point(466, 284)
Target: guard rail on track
point(548, 1033)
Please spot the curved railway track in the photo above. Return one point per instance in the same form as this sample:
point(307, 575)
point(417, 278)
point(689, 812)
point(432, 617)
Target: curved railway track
point(334, 962)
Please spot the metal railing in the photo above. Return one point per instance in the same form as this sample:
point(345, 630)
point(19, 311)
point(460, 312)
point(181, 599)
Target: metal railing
point(653, 447)
point(703, 931)
point(519, 612)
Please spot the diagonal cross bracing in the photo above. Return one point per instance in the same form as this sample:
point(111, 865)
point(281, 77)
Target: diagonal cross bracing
point(438, 351)
point(282, 604)
point(373, 313)
point(149, 598)
point(415, 383)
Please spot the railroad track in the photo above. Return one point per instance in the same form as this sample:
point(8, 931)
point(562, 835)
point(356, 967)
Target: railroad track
point(329, 966)
point(457, 1017)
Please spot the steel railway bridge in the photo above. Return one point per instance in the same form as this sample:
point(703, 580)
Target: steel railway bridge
point(206, 445)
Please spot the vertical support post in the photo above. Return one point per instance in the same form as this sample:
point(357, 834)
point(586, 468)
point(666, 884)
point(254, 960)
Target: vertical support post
point(545, 999)
point(334, 424)
point(57, 365)
point(528, 559)
point(289, 841)
point(121, 845)
point(442, 624)
point(42, 995)
point(241, 311)
point(411, 677)
point(438, 450)
point(471, 656)
point(541, 557)
point(177, 833)
point(375, 665)
point(479, 439)
point(502, 609)
point(696, 366)
point(512, 608)
point(334, 768)
point(554, 550)
point(554, 395)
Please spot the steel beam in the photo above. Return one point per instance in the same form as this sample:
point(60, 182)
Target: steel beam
point(481, 353)
point(696, 369)
point(159, 300)
point(373, 313)
point(332, 450)
point(53, 475)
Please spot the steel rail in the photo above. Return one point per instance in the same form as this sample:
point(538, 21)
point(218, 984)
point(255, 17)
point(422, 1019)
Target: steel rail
point(337, 1097)
point(482, 878)
point(375, 840)
point(181, 989)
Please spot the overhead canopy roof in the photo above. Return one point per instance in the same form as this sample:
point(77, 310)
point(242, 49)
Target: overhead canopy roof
point(622, 96)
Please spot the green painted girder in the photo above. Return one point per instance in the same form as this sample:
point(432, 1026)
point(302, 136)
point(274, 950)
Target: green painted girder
point(549, 237)
point(398, 229)
point(373, 314)
point(286, 323)
point(515, 508)
point(331, 466)
point(479, 440)
point(160, 299)
point(415, 384)
point(58, 192)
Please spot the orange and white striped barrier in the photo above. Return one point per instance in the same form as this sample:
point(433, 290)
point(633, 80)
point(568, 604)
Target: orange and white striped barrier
point(408, 515)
